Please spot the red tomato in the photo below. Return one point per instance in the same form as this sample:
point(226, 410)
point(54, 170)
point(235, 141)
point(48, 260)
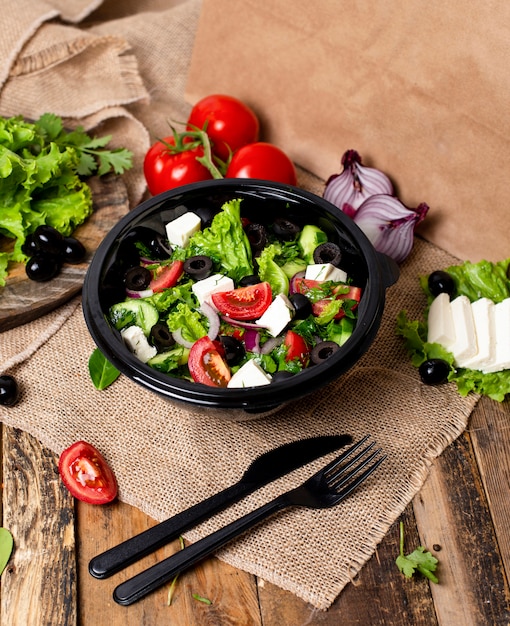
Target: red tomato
point(244, 303)
point(262, 160)
point(297, 348)
point(230, 123)
point(206, 363)
point(303, 285)
point(86, 474)
point(166, 276)
point(164, 170)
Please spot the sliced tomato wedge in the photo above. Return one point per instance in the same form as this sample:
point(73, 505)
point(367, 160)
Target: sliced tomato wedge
point(207, 364)
point(306, 286)
point(244, 303)
point(167, 276)
point(297, 348)
point(354, 293)
point(86, 474)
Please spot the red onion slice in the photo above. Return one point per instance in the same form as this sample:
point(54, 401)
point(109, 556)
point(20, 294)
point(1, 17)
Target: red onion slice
point(144, 293)
point(213, 319)
point(232, 322)
point(270, 345)
point(177, 335)
point(251, 340)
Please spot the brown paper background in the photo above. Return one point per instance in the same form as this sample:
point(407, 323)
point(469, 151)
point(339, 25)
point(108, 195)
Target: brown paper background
point(421, 90)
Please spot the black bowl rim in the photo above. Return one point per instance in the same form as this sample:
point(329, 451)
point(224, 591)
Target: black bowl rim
point(254, 399)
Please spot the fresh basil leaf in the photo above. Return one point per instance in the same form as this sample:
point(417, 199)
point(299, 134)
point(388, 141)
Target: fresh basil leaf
point(101, 371)
point(6, 545)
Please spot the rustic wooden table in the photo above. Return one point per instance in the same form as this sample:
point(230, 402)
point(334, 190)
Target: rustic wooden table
point(461, 515)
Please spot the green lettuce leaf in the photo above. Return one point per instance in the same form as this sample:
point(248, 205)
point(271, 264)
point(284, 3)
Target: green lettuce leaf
point(270, 271)
point(188, 321)
point(225, 242)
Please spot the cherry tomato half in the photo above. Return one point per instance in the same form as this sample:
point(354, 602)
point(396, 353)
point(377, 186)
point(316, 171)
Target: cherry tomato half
point(207, 364)
point(304, 286)
point(167, 276)
point(164, 170)
point(262, 160)
point(230, 123)
point(86, 474)
point(297, 348)
point(244, 303)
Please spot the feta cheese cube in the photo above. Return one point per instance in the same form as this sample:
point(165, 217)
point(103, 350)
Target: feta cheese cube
point(483, 317)
point(325, 271)
point(180, 230)
point(136, 341)
point(203, 289)
point(501, 360)
point(465, 345)
point(277, 315)
point(249, 375)
point(440, 321)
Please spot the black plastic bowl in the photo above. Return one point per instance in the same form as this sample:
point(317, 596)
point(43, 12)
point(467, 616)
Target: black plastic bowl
point(262, 201)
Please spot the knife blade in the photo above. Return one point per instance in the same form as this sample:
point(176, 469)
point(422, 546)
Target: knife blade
point(264, 469)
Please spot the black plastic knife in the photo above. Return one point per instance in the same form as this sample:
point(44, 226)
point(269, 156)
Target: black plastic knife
point(264, 469)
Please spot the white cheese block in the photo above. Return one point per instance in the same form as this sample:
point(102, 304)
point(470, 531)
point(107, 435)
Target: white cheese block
point(483, 318)
point(277, 315)
point(325, 271)
point(136, 341)
point(249, 375)
point(203, 289)
point(440, 321)
point(501, 360)
point(465, 345)
point(180, 230)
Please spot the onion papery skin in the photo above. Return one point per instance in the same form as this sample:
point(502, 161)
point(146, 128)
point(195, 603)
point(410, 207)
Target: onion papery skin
point(389, 224)
point(355, 184)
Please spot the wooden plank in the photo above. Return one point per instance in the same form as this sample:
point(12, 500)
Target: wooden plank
point(378, 595)
point(39, 583)
point(233, 593)
point(454, 522)
point(490, 434)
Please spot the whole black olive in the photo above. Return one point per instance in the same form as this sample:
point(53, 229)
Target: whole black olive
point(42, 267)
point(198, 267)
point(257, 236)
point(161, 337)
point(137, 278)
point(247, 281)
point(285, 229)
point(29, 246)
point(434, 371)
point(281, 376)
point(9, 391)
point(234, 349)
point(327, 252)
point(441, 282)
point(48, 240)
point(73, 251)
point(323, 351)
point(302, 306)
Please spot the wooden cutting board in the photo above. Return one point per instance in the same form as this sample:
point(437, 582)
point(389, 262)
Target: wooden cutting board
point(22, 300)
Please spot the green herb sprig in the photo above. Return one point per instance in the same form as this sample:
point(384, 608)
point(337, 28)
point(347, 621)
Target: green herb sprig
point(418, 560)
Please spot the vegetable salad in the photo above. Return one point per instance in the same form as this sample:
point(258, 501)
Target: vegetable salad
point(229, 303)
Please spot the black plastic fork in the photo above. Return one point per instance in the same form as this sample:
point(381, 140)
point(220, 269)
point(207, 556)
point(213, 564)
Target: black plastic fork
point(329, 486)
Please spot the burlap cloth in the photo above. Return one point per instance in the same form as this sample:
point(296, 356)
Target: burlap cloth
point(182, 456)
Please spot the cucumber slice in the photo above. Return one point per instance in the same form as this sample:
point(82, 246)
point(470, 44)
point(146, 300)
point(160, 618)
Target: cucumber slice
point(169, 360)
point(134, 311)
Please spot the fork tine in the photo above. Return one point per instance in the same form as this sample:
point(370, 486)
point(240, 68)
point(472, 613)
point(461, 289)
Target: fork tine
point(339, 459)
point(342, 474)
point(361, 477)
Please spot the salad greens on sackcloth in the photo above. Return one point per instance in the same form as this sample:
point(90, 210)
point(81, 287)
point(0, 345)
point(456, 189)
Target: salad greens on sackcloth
point(474, 280)
point(41, 165)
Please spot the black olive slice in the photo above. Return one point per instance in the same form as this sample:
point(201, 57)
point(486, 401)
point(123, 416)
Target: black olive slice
point(323, 351)
point(327, 252)
point(73, 251)
point(257, 236)
point(234, 349)
point(441, 282)
point(285, 229)
point(247, 281)
point(198, 267)
point(161, 337)
point(302, 306)
point(42, 267)
point(160, 247)
point(137, 278)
